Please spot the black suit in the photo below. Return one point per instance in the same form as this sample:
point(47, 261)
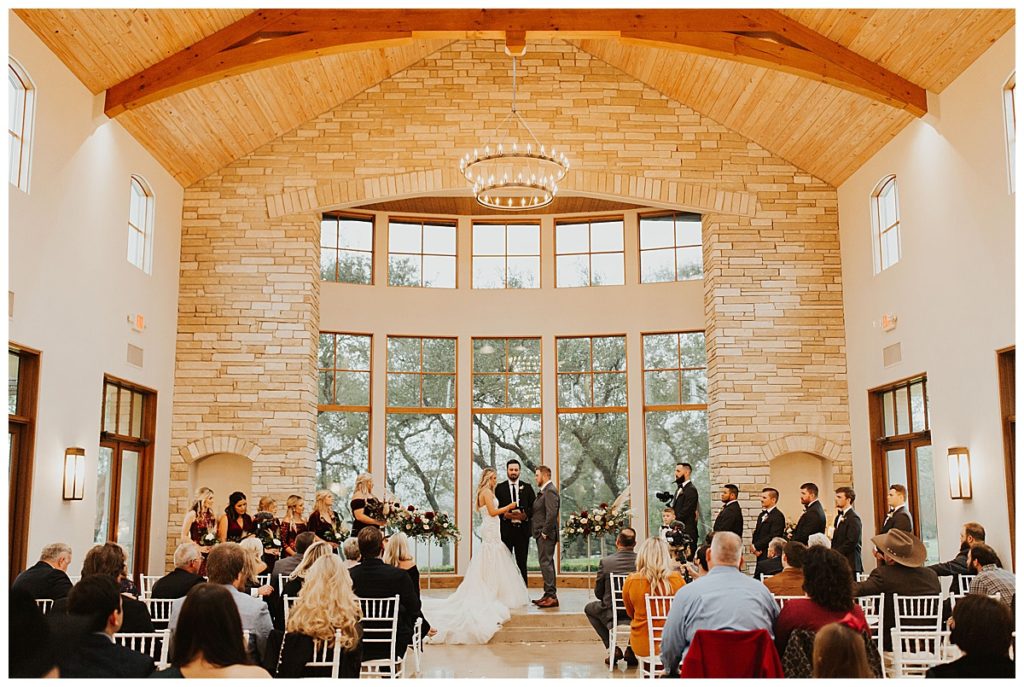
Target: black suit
point(685, 505)
point(730, 519)
point(375, 579)
point(846, 539)
point(897, 579)
point(175, 584)
point(768, 566)
point(97, 656)
point(811, 522)
point(899, 519)
point(770, 524)
point(43, 581)
point(516, 535)
point(136, 614)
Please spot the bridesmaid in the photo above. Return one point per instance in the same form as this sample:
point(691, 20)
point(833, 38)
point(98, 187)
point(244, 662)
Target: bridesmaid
point(293, 524)
point(362, 493)
point(323, 517)
point(199, 520)
point(268, 527)
point(235, 525)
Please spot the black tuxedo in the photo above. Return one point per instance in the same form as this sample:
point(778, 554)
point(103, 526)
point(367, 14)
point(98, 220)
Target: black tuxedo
point(97, 656)
point(685, 506)
point(375, 579)
point(43, 581)
point(768, 566)
point(517, 535)
point(175, 584)
point(730, 519)
point(899, 519)
point(846, 539)
point(812, 521)
point(769, 525)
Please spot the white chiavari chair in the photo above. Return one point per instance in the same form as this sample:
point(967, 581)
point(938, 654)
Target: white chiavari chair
point(762, 577)
point(915, 651)
point(327, 655)
point(781, 600)
point(152, 644)
point(862, 576)
point(963, 583)
point(416, 645)
point(159, 611)
point(288, 601)
point(263, 579)
point(874, 613)
point(44, 605)
point(917, 612)
point(380, 627)
point(618, 631)
point(146, 586)
point(281, 580)
point(657, 612)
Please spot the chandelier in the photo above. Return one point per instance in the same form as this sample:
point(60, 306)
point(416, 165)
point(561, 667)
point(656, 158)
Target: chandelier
point(516, 172)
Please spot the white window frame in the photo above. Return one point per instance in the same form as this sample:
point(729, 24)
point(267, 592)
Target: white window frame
point(148, 222)
point(1010, 124)
point(26, 135)
point(877, 230)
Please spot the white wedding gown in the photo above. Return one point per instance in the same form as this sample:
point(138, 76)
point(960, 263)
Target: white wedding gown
point(492, 587)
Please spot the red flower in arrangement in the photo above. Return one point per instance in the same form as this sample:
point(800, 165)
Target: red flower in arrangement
point(418, 520)
point(411, 509)
point(603, 505)
point(429, 514)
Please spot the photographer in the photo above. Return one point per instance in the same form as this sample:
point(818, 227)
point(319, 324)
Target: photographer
point(684, 502)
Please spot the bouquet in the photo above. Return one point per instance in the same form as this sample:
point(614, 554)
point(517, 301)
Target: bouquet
point(209, 539)
point(336, 534)
point(266, 526)
point(442, 526)
point(382, 510)
point(790, 529)
point(598, 521)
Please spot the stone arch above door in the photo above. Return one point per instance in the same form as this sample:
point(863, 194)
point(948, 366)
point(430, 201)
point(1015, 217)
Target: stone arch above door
point(211, 445)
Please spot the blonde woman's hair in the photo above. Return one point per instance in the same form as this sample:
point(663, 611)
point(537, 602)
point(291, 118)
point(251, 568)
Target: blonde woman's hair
point(397, 549)
point(293, 501)
point(253, 549)
point(485, 476)
point(315, 552)
point(654, 563)
point(320, 504)
point(202, 494)
point(363, 482)
point(266, 502)
point(327, 603)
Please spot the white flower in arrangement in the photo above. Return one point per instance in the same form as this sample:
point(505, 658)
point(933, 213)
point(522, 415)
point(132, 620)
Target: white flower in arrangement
point(583, 520)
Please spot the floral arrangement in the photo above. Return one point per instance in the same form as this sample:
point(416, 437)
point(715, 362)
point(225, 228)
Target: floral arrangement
point(336, 534)
point(443, 526)
point(598, 521)
point(416, 523)
point(209, 539)
point(386, 510)
point(790, 529)
point(266, 526)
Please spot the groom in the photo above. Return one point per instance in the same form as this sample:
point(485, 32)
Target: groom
point(515, 525)
point(545, 531)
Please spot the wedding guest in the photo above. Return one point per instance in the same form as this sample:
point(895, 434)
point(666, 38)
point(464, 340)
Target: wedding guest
point(254, 567)
point(97, 598)
point(397, 553)
point(48, 578)
point(812, 520)
point(268, 528)
point(373, 578)
point(990, 577)
point(327, 604)
point(653, 576)
point(362, 493)
point(772, 564)
point(293, 523)
point(315, 552)
point(323, 521)
point(771, 523)
point(236, 524)
point(789, 582)
point(177, 583)
point(848, 529)
point(971, 533)
point(286, 566)
point(109, 559)
point(30, 642)
point(200, 521)
point(819, 539)
point(226, 567)
point(208, 638)
point(828, 583)
point(599, 612)
point(839, 653)
point(983, 629)
point(351, 550)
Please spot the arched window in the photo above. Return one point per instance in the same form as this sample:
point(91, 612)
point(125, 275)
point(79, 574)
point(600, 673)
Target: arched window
point(21, 99)
point(1010, 118)
point(140, 225)
point(885, 218)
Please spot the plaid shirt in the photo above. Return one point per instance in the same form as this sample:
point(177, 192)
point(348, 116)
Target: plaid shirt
point(993, 579)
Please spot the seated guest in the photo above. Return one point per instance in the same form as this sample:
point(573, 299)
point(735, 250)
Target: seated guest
point(47, 579)
point(375, 579)
point(819, 539)
point(599, 612)
point(396, 553)
point(970, 534)
point(208, 638)
point(31, 647)
point(991, 578)
point(653, 576)
point(327, 604)
point(96, 597)
point(286, 566)
point(699, 566)
point(254, 567)
point(839, 652)
point(724, 599)
point(317, 550)
point(226, 566)
point(175, 584)
point(351, 550)
point(789, 582)
point(772, 565)
point(109, 559)
point(900, 572)
point(983, 629)
point(829, 586)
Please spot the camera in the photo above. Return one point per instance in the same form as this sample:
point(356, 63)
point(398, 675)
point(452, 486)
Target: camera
point(664, 496)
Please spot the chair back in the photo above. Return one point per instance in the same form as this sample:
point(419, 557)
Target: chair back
point(281, 579)
point(915, 651)
point(618, 581)
point(327, 655)
point(874, 613)
point(263, 579)
point(380, 621)
point(159, 611)
point(781, 600)
point(657, 613)
point(963, 583)
point(288, 602)
point(764, 576)
point(861, 576)
point(152, 644)
point(731, 654)
point(44, 605)
point(146, 583)
point(917, 612)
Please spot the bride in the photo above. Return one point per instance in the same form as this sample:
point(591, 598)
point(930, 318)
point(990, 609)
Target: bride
point(492, 586)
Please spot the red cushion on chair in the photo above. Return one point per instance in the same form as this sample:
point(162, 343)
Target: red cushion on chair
point(731, 653)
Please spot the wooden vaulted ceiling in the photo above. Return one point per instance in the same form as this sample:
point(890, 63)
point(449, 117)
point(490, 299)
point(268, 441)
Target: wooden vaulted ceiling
point(825, 129)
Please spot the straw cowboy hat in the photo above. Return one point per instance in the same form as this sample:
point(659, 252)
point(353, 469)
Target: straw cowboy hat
point(902, 547)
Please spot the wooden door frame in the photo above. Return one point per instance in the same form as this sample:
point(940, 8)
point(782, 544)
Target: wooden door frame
point(1006, 367)
point(22, 464)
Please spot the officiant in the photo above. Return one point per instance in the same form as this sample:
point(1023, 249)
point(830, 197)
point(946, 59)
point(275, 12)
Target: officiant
point(515, 525)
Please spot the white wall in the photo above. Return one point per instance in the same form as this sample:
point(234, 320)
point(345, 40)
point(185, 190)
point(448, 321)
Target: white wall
point(74, 289)
point(953, 290)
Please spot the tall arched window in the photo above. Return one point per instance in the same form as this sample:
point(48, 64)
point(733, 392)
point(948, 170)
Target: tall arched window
point(21, 99)
point(140, 225)
point(885, 218)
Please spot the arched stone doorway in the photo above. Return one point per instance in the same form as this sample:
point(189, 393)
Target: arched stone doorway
point(224, 473)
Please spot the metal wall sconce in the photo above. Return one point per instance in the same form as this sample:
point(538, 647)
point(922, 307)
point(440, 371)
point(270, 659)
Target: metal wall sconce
point(960, 486)
point(74, 474)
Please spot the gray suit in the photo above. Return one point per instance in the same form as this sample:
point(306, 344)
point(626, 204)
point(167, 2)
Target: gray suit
point(599, 612)
point(545, 521)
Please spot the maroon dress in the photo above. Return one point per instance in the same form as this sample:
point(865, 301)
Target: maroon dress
point(203, 524)
point(238, 532)
point(289, 532)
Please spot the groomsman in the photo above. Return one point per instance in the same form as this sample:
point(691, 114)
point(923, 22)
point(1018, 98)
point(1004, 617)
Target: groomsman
point(899, 517)
point(770, 524)
point(813, 518)
point(848, 529)
point(686, 501)
point(544, 524)
point(730, 518)
point(515, 525)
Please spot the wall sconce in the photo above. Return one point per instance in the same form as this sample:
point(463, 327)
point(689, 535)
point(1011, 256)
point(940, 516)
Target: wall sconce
point(959, 472)
point(74, 474)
